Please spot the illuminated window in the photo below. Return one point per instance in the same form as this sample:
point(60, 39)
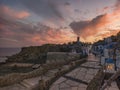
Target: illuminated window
point(110, 67)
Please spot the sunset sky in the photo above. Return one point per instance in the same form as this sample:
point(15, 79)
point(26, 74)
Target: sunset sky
point(37, 22)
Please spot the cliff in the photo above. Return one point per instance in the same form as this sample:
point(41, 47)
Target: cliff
point(37, 54)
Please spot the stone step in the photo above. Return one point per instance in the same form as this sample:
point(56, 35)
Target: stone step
point(112, 87)
point(78, 78)
point(26, 84)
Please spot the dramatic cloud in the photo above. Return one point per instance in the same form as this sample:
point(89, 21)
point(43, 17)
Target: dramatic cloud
point(85, 28)
point(44, 8)
point(107, 33)
point(36, 22)
point(22, 34)
point(91, 28)
point(8, 12)
point(106, 8)
point(117, 5)
point(67, 3)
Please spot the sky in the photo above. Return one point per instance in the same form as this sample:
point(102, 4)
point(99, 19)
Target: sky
point(37, 22)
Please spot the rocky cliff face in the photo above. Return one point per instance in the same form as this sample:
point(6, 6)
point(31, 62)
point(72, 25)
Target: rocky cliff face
point(36, 54)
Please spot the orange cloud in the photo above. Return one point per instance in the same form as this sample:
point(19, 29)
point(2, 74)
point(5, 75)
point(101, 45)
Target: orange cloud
point(22, 14)
point(107, 34)
point(89, 30)
point(52, 36)
point(105, 8)
point(7, 11)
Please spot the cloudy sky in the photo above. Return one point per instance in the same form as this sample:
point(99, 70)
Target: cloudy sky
point(36, 22)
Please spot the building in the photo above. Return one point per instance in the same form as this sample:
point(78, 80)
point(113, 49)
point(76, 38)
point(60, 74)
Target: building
point(78, 39)
point(76, 47)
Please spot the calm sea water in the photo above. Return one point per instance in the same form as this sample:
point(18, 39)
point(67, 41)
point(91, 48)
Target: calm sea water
point(8, 51)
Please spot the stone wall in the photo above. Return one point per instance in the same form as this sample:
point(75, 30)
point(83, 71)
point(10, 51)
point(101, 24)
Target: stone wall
point(96, 83)
point(58, 57)
point(17, 77)
point(59, 60)
point(45, 84)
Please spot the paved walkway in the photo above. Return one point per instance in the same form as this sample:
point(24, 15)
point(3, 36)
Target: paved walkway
point(78, 78)
point(112, 87)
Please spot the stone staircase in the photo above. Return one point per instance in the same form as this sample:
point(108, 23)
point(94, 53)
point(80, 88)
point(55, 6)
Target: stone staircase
point(79, 78)
point(113, 86)
point(33, 83)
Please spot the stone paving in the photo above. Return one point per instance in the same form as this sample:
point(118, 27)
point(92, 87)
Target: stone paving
point(31, 83)
point(74, 80)
point(112, 87)
point(78, 78)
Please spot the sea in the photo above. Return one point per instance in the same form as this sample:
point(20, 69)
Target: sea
point(8, 52)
